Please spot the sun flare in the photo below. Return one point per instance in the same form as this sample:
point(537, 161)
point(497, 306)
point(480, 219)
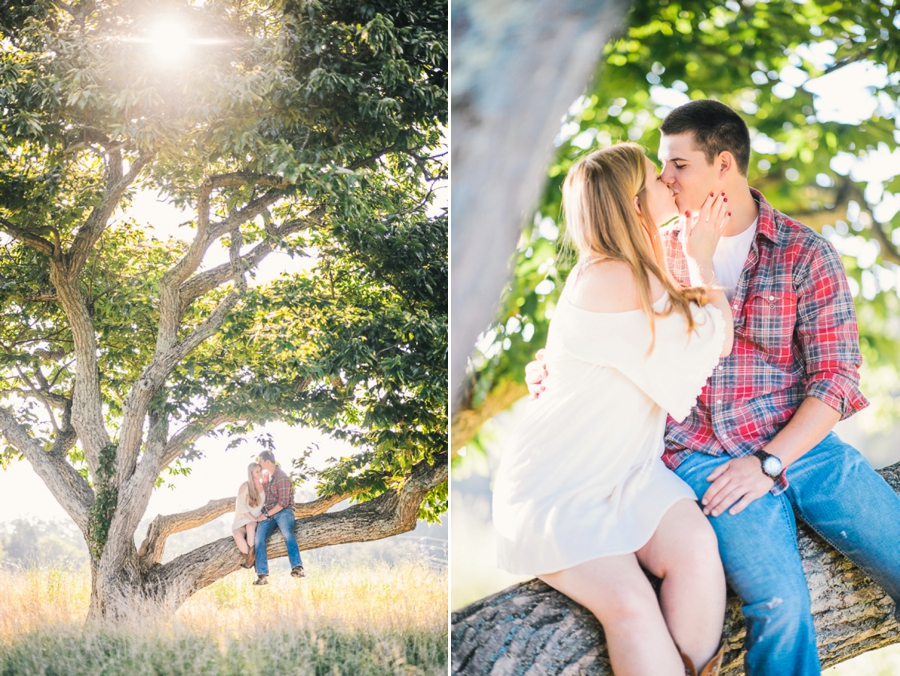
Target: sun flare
point(169, 40)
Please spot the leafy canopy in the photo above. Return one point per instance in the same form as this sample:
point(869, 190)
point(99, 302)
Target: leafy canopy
point(327, 116)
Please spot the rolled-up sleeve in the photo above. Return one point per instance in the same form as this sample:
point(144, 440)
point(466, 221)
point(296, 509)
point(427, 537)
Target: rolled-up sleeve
point(827, 330)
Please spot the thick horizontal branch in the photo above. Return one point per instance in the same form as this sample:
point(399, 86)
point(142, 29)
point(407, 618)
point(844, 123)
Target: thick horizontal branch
point(389, 514)
point(530, 628)
point(163, 526)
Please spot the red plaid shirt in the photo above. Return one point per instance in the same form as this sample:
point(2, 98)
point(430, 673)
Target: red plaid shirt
point(279, 490)
point(795, 336)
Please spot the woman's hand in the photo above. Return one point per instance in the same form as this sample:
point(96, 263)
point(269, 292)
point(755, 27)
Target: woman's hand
point(701, 231)
point(535, 372)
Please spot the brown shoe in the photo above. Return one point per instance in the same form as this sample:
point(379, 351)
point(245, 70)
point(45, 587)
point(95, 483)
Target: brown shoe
point(261, 580)
point(250, 558)
point(712, 667)
point(297, 571)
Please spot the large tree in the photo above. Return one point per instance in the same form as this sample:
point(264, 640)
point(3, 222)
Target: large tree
point(309, 128)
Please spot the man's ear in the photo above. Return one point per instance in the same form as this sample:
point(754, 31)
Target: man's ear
point(725, 163)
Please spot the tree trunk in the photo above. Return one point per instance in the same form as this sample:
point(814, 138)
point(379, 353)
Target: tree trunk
point(517, 67)
point(531, 629)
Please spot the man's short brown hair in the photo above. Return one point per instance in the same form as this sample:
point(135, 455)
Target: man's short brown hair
point(267, 456)
point(716, 128)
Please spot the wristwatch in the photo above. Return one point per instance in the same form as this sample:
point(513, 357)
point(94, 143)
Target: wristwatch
point(772, 466)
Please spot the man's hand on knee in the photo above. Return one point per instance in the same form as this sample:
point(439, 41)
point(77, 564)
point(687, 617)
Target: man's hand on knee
point(735, 483)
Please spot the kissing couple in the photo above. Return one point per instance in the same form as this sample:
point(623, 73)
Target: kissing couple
point(684, 408)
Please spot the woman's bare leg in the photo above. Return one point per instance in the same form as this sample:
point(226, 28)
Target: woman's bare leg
point(251, 533)
point(616, 590)
point(240, 538)
point(685, 554)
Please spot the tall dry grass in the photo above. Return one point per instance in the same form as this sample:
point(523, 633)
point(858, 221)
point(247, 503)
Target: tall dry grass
point(358, 619)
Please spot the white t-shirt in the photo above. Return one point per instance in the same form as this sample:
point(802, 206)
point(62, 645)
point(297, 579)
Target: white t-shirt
point(730, 256)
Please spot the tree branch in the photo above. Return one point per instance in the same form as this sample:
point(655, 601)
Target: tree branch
point(188, 434)
point(97, 220)
point(153, 377)
point(467, 421)
point(206, 281)
point(889, 251)
point(28, 237)
point(67, 485)
point(87, 404)
point(151, 551)
point(252, 209)
point(846, 61)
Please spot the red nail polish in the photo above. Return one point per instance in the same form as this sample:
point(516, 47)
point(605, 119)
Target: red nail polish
point(687, 213)
point(710, 194)
point(723, 194)
point(726, 199)
point(729, 213)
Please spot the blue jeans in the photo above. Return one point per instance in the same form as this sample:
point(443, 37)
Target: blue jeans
point(285, 522)
point(834, 490)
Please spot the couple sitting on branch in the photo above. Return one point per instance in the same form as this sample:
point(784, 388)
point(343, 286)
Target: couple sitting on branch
point(264, 502)
point(684, 411)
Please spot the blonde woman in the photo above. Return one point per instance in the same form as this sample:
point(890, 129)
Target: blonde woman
point(247, 507)
point(582, 498)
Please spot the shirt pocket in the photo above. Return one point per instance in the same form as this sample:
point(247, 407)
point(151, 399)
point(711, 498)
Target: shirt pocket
point(769, 320)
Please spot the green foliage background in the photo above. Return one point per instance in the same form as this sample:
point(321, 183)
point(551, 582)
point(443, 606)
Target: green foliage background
point(756, 57)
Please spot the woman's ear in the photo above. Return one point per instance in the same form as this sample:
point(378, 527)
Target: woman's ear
point(637, 205)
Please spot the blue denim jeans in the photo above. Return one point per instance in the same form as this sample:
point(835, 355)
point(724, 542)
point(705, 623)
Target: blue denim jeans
point(834, 490)
point(285, 522)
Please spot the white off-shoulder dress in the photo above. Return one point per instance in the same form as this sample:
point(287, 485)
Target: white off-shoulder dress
point(242, 507)
point(583, 476)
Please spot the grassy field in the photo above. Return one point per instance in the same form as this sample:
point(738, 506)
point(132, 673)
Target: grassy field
point(362, 619)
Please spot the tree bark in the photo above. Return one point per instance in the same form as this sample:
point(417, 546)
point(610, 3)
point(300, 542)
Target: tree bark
point(517, 67)
point(531, 629)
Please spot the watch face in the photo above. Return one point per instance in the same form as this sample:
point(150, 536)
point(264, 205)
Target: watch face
point(772, 466)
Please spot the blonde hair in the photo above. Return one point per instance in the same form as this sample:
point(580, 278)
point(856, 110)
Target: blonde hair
point(252, 493)
point(598, 200)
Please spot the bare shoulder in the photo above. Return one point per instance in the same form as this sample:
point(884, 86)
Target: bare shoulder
point(609, 286)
